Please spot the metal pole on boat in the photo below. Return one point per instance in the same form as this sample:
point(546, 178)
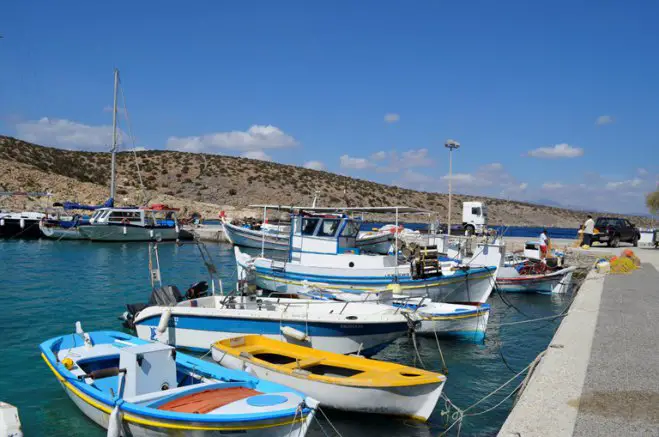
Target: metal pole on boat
point(113, 176)
point(396, 243)
point(265, 209)
point(450, 145)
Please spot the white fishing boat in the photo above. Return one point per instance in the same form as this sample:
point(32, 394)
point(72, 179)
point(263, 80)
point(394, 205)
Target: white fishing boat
point(61, 229)
point(259, 239)
point(142, 389)
point(154, 223)
point(346, 383)
point(21, 224)
point(534, 276)
point(339, 327)
point(468, 322)
point(323, 251)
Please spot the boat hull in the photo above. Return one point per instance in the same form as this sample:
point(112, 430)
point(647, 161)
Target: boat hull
point(57, 233)
point(199, 333)
point(469, 324)
point(472, 286)
point(417, 401)
point(255, 239)
point(118, 232)
point(510, 281)
point(381, 243)
point(11, 228)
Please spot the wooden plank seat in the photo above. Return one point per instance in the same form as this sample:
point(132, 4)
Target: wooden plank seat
point(208, 400)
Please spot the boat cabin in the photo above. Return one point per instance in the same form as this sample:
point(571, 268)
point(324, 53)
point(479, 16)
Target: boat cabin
point(143, 217)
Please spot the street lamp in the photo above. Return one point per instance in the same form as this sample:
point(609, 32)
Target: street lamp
point(450, 145)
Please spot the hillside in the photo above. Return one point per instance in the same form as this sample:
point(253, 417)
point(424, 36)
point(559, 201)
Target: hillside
point(209, 183)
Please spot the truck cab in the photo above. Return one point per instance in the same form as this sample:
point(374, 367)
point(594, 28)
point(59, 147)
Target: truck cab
point(474, 217)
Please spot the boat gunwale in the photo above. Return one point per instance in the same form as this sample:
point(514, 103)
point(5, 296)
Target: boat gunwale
point(332, 359)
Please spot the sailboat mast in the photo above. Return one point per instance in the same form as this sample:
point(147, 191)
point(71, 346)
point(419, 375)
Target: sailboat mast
point(113, 176)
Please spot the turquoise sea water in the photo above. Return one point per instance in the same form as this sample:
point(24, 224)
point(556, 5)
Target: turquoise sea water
point(46, 286)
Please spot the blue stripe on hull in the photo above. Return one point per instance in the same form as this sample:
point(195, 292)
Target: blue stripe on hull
point(370, 280)
point(254, 326)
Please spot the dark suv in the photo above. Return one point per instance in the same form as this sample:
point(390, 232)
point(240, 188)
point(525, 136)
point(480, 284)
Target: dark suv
point(611, 230)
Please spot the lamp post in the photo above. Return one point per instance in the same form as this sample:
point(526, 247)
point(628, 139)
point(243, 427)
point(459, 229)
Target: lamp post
point(450, 145)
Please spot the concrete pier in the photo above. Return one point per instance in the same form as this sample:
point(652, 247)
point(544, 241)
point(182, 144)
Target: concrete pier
point(214, 233)
point(598, 376)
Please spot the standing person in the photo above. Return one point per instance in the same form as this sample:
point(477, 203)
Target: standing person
point(543, 244)
point(588, 229)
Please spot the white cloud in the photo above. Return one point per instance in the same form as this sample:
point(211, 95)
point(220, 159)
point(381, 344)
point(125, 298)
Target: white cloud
point(631, 183)
point(415, 158)
point(257, 137)
point(552, 186)
point(379, 156)
point(391, 117)
point(495, 166)
point(355, 163)
point(314, 165)
point(642, 172)
point(257, 154)
point(558, 151)
point(65, 133)
point(604, 119)
point(461, 178)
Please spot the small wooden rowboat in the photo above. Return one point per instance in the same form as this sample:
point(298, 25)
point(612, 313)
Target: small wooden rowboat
point(142, 389)
point(343, 382)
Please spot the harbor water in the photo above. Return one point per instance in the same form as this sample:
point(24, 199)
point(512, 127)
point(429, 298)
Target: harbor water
point(46, 286)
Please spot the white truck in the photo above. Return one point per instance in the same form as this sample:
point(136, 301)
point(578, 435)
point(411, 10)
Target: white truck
point(474, 218)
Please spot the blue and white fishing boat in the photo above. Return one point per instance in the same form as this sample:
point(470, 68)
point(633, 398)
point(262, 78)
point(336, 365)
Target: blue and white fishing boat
point(138, 388)
point(431, 318)
point(323, 252)
point(264, 238)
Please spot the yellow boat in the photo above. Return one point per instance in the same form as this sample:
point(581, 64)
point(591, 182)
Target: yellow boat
point(343, 382)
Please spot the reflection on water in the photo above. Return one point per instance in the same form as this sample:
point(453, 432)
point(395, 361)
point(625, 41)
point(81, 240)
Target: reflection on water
point(46, 286)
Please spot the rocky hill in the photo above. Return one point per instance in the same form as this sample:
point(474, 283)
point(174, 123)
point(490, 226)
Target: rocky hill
point(210, 183)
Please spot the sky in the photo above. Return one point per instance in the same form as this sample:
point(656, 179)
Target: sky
point(551, 102)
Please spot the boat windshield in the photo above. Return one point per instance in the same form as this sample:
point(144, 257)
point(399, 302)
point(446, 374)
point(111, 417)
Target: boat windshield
point(309, 225)
point(351, 229)
point(123, 216)
point(328, 228)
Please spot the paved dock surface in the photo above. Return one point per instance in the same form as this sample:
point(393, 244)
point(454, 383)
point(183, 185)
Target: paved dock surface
point(599, 375)
point(620, 395)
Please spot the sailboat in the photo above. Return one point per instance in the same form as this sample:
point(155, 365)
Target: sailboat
point(147, 223)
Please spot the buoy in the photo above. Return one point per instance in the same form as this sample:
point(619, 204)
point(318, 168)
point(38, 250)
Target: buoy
point(164, 320)
point(10, 424)
point(114, 423)
point(125, 230)
point(293, 333)
point(2, 222)
point(151, 233)
point(68, 363)
point(22, 222)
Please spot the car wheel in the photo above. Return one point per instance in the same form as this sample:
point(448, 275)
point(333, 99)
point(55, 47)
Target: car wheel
point(635, 241)
point(615, 241)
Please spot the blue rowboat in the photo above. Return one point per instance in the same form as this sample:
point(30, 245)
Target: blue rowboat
point(139, 388)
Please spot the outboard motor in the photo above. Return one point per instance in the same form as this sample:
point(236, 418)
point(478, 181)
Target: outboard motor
point(196, 290)
point(169, 295)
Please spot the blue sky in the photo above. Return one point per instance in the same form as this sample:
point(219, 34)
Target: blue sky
point(555, 101)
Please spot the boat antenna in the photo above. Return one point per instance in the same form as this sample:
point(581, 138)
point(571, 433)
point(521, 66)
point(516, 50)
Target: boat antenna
point(113, 176)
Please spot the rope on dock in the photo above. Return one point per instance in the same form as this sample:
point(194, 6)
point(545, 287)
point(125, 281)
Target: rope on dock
point(459, 414)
